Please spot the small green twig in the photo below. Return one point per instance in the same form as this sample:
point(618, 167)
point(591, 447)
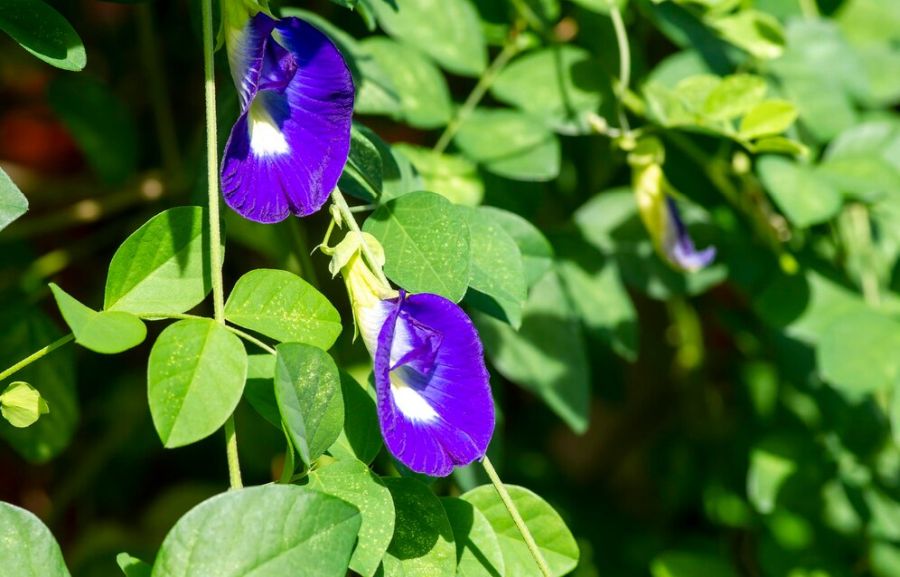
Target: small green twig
point(250, 338)
point(624, 61)
point(516, 517)
point(35, 356)
point(484, 83)
point(347, 216)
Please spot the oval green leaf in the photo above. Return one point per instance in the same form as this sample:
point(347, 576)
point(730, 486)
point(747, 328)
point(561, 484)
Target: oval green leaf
point(426, 244)
point(360, 438)
point(13, 203)
point(548, 529)
point(161, 269)
point(269, 531)
point(857, 353)
point(536, 251)
point(353, 482)
point(804, 196)
point(423, 544)
point(107, 332)
point(195, 377)
point(478, 551)
point(44, 32)
point(283, 306)
point(27, 546)
point(308, 392)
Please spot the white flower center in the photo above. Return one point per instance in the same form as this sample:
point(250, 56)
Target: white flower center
point(413, 405)
point(266, 137)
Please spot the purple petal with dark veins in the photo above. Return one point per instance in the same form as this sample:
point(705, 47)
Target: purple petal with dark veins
point(678, 244)
point(434, 396)
point(288, 148)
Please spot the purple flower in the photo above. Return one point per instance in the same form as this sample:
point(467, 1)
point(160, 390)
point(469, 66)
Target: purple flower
point(288, 148)
point(433, 389)
point(677, 245)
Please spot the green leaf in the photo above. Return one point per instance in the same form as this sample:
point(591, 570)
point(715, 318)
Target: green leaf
point(768, 118)
point(451, 176)
point(308, 390)
point(283, 306)
point(561, 85)
point(424, 97)
point(690, 564)
point(496, 275)
point(268, 531)
point(426, 244)
point(478, 551)
point(547, 355)
point(449, 31)
point(22, 405)
point(553, 538)
point(772, 462)
point(353, 482)
point(13, 203)
point(363, 173)
point(422, 545)
point(805, 197)
point(195, 377)
point(778, 145)
point(26, 330)
point(161, 269)
point(520, 147)
point(536, 251)
point(44, 32)
point(758, 33)
point(28, 547)
point(735, 96)
point(107, 332)
point(857, 353)
point(132, 566)
point(360, 438)
point(260, 387)
point(99, 122)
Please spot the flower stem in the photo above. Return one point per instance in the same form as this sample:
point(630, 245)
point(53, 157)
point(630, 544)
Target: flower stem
point(215, 246)
point(484, 83)
point(347, 216)
point(516, 517)
point(35, 356)
point(624, 60)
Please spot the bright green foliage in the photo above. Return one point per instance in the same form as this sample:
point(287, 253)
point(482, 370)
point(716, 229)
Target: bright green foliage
point(496, 275)
point(107, 332)
point(360, 438)
point(449, 175)
point(44, 32)
point(159, 269)
point(768, 118)
point(355, 483)
point(426, 244)
point(99, 122)
point(857, 353)
point(772, 462)
point(550, 532)
point(423, 544)
point(13, 203)
point(478, 552)
point(560, 85)
point(547, 355)
point(536, 251)
point(195, 377)
point(520, 147)
point(805, 197)
point(308, 391)
point(132, 566)
point(27, 548)
point(265, 531)
point(22, 405)
point(424, 97)
point(446, 30)
point(283, 306)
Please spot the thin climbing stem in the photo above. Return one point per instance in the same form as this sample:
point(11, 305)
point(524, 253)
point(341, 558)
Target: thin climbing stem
point(35, 356)
point(347, 216)
point(516, 517)
point(251, 339)
point(215, 246)
point(481, 88)
point(624, 61)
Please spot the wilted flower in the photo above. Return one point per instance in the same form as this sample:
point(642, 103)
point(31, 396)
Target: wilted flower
point(288, 148)
point(659, 211)
point(433, 394)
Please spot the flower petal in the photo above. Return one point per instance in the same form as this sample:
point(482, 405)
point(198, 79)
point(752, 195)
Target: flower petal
point(678, 245)
point(246, 51)
point(434, 397)
point(287, 150)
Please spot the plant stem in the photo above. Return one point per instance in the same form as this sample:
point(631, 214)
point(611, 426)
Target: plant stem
point(35, 356)
point(624, 60)
point(215, 247)
point(516, 517)
point(484, 83)
point(252, 339)
point(347, 216)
